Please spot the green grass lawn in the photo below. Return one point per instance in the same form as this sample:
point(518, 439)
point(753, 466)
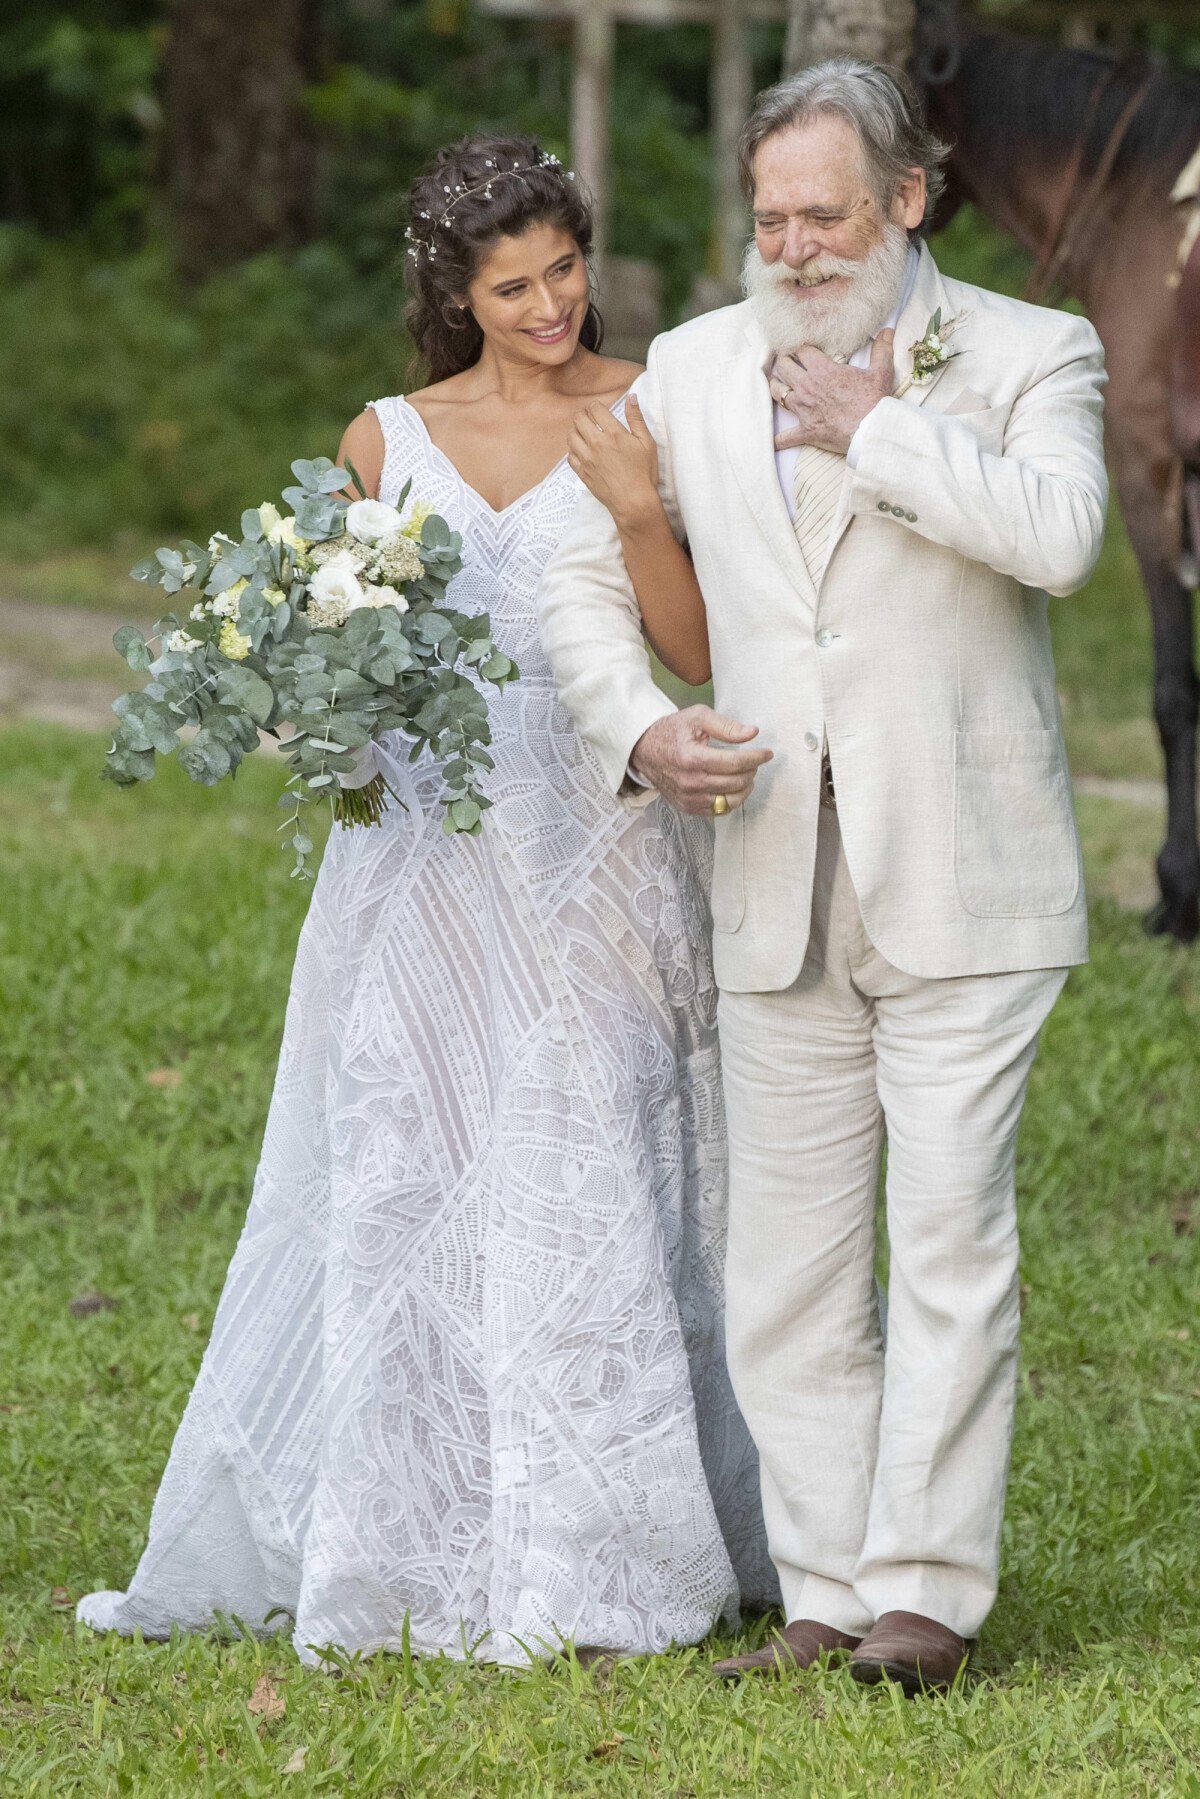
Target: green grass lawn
point(151, 934)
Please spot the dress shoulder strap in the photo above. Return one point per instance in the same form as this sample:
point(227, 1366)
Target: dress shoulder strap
point(397, 444)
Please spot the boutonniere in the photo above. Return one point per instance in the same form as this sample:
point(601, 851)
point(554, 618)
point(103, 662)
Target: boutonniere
point(930, 352)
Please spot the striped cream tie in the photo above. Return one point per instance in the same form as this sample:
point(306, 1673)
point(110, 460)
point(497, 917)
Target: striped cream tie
point(818, 490)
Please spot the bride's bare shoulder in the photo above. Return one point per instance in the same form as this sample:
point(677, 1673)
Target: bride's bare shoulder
point(362, 441)
point(611, 377)
point(450, 392)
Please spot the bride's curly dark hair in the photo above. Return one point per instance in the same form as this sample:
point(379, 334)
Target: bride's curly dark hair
point(475, 177)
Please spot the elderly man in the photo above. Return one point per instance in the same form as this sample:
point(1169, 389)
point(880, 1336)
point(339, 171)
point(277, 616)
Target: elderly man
point(897, 894)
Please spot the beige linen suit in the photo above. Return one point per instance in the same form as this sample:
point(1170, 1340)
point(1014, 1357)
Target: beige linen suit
point(891, 963)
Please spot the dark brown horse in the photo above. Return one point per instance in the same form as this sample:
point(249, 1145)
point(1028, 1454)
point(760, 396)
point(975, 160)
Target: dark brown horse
point(1075, 155)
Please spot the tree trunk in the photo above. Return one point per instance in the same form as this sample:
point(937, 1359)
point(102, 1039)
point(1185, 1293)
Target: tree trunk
point(591, 93)
point(877, 30)
point(732, 97)
point(239, 149)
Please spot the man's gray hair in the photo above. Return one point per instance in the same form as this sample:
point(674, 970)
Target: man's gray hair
point(881, 105)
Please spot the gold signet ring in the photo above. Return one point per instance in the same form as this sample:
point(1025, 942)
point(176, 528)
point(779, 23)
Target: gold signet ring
point(720, 806)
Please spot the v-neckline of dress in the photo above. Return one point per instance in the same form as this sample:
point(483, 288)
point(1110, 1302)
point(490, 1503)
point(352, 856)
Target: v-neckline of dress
point(495, 511)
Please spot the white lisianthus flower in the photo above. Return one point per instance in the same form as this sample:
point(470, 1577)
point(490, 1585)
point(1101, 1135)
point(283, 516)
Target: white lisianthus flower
point(215, 542)
point(269, 517)
point(369, 520)
point(179, 643)
point(334, 592)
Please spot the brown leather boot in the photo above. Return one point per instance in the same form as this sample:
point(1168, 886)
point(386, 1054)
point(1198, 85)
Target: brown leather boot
point(798, 1645)
point(919, 1654)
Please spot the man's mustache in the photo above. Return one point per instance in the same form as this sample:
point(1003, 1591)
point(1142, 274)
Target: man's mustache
point(812, 274)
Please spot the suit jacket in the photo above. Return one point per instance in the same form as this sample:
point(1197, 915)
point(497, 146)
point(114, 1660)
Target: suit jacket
point(922, 653)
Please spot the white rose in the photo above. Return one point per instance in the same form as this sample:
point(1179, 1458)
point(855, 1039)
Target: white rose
point(337, 584)
point(269, 517)
point(369, 520)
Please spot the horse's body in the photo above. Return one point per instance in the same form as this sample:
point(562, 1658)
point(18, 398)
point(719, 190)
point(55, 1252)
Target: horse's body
point(1033, 130)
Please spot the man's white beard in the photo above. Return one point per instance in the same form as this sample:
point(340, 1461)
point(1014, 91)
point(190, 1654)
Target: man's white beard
point(838, 323)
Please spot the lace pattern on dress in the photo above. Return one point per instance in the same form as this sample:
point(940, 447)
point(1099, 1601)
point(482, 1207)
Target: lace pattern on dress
point(468, 1365)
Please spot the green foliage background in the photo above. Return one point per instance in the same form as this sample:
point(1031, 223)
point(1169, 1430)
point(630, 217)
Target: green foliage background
point(152, 935)
point(132, 410)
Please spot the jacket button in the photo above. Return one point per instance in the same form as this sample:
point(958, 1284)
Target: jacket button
point(884, 507)
point(911, 517)
point(811, 740)
point(825, 638)
point(897, 512)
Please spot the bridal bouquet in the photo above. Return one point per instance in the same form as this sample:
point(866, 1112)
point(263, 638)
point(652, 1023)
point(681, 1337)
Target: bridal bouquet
point(329, 621)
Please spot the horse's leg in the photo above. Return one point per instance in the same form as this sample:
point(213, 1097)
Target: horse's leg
point(1176, 704)
point(1143, 461)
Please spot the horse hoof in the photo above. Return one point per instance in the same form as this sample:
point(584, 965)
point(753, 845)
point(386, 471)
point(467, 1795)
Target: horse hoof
point(1175, 918)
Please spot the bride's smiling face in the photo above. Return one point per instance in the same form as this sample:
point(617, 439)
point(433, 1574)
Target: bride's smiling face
point(530, 297)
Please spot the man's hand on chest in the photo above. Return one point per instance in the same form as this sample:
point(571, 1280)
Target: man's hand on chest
point(830, 399)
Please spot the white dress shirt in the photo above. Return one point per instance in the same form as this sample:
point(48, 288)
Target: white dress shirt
point(785, 460)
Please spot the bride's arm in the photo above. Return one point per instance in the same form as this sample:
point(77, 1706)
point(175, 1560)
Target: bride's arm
point(362, 442)
point(620, 467)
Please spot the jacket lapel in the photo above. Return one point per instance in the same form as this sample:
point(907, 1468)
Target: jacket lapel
point(928, 295)
point(748, 421)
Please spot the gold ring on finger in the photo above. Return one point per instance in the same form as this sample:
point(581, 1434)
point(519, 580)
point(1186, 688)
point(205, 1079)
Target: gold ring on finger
point(720, 806)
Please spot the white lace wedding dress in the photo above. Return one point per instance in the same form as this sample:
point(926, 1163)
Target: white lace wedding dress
point(468, 1364)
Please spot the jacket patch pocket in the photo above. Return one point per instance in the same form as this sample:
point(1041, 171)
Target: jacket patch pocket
point(729, 871)
point(1016, 854)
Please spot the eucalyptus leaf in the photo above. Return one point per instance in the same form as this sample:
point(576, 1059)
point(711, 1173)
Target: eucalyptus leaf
point(125, 766)
point(146, 723)
point(432, 627)
point(465, 814)
point(241, 687)
point(131, 643)
point(357, 481)
point(205, 759)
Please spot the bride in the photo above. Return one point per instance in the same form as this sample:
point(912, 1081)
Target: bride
point(467, 1377)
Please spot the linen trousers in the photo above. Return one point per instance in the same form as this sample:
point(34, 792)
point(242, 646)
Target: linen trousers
point(883, 1474)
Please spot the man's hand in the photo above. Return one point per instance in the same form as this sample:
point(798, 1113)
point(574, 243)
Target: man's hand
point(830, 399)
point(676, 757)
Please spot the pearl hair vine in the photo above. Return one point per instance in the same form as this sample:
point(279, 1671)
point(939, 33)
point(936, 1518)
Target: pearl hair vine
point(422, 245)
